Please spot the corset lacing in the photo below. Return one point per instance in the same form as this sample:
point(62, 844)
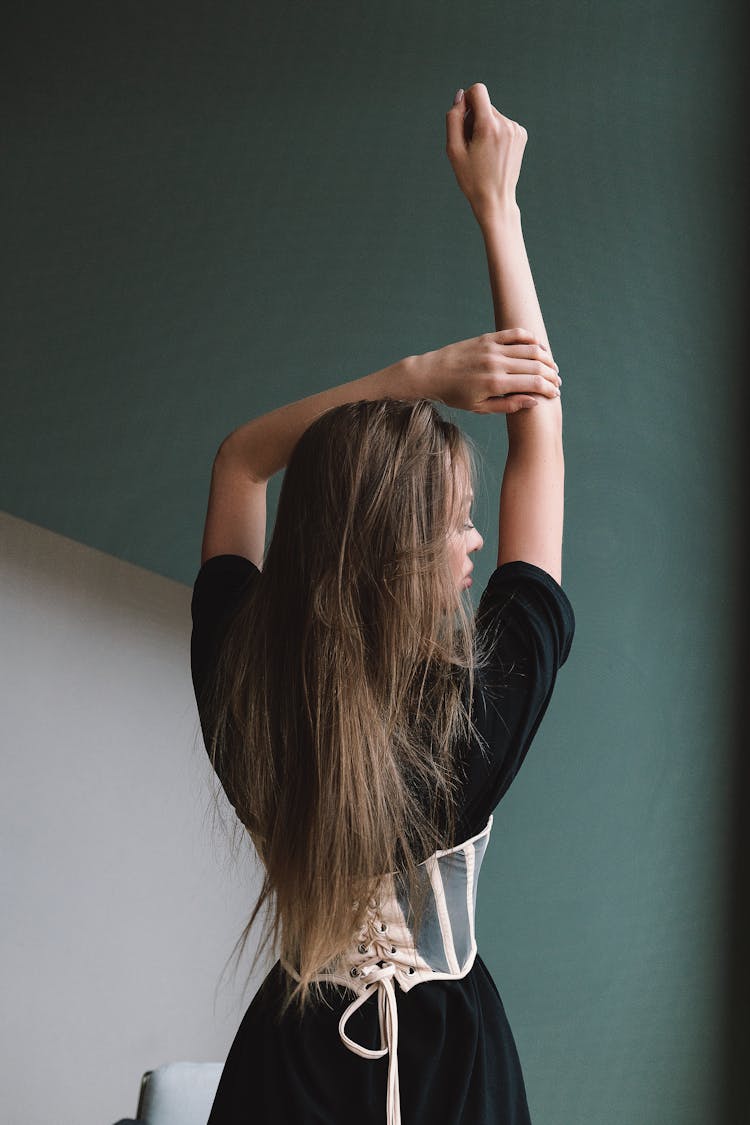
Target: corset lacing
point(381, 953)
point(384, 953)
point(383, 949)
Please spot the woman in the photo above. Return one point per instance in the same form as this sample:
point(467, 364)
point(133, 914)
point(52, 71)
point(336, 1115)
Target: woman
point(363, 721)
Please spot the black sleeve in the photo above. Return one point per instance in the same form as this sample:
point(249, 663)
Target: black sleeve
point(221, 583)
point(529, 621)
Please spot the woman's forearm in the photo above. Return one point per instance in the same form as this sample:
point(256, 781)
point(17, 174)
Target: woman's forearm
point(516, 305)
point(265, 444)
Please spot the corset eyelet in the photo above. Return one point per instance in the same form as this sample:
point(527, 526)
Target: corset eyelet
point(412, 970)
point(383, 927)
point(393, 949)
point(354, 971)
point(363, 948)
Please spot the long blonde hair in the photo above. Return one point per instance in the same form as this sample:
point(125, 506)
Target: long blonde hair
point(346, 676)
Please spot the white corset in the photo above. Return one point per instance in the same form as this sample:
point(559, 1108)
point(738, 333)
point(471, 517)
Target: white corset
point(386, 950)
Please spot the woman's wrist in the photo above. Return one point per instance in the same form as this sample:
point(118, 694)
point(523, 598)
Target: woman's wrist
point(408, 379)
point(497, 213)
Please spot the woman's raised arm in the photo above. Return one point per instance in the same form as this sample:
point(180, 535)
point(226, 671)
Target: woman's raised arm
point(485, 150)
point(264, 445)
point(495, 373)
point(248, 458)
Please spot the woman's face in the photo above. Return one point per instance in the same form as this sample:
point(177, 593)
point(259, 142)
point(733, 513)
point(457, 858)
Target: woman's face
point(463, 541)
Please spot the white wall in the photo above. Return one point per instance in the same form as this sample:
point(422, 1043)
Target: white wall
point(121, 902)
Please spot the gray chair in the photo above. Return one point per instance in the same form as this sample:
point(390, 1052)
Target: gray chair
point(178, 1093)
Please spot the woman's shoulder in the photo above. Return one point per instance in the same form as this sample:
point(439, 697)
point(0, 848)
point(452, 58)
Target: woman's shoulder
point(525, 599)
point(221, 580)
point(526, 622)
point(219, 587)
point(222, 569)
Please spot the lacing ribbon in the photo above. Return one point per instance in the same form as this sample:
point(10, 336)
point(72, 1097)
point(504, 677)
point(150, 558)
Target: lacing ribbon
point(379, 973)
point(381, 976)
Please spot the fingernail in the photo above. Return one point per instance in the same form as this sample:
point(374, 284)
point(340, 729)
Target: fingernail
point(459, 95)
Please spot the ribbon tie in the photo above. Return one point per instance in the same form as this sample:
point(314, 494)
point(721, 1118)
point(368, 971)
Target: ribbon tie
point(381, 980)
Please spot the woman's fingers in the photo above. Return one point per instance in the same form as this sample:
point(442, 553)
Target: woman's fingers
point(520, 376)
point(474, 101)
point(533, 385)
point(515, 335)
point(503, 369)
point(454, 128)
point(518, 337)
point(507, 404)
point(529, 358)
point(477, 98)
point(531, 378)
point(521, 355)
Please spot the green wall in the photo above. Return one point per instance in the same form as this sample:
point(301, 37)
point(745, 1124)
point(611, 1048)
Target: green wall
point(214, 209)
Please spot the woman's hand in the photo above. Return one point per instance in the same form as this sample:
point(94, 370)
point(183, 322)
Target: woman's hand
point(474, 374)
point(485, 150)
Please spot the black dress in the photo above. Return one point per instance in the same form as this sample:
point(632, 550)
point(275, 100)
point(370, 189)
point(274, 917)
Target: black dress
point(457, 1059)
